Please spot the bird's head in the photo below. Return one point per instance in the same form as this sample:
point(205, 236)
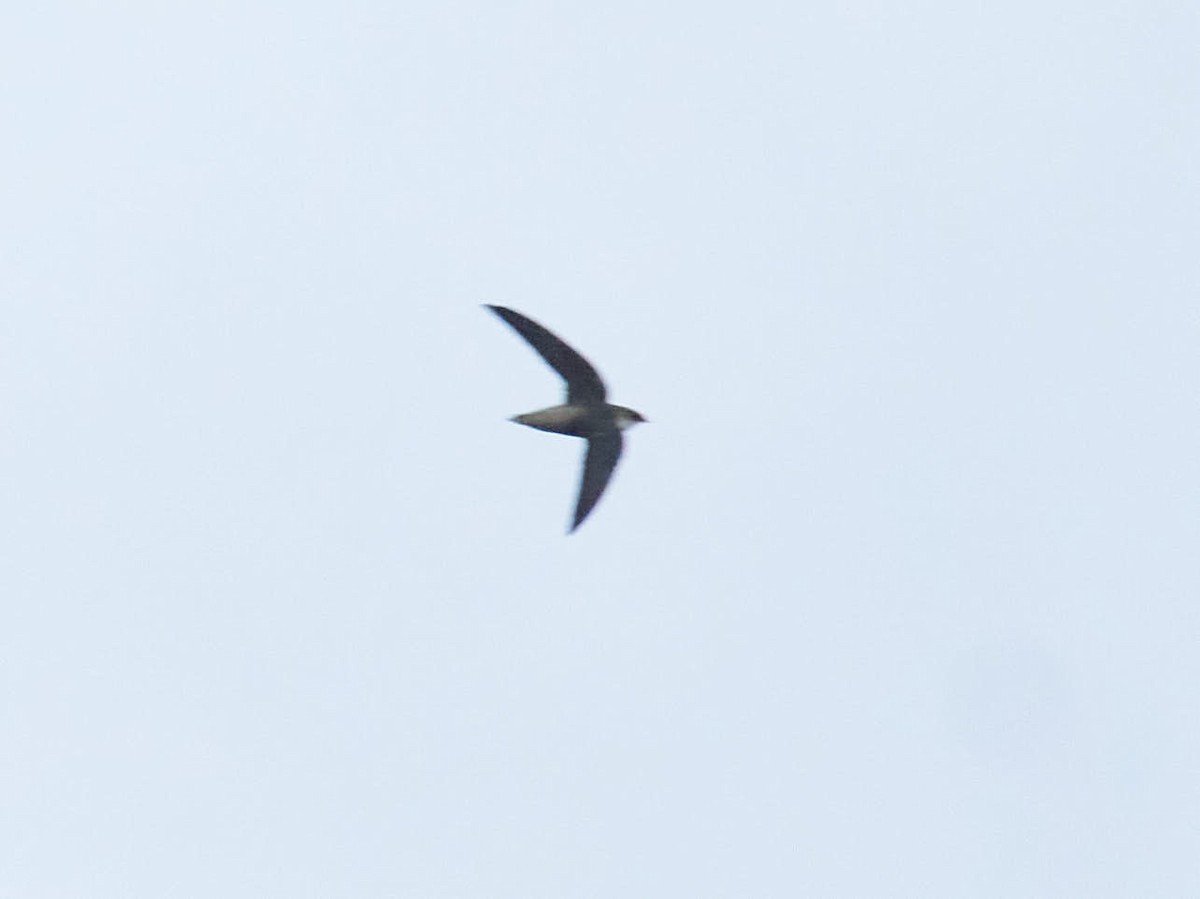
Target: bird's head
point(626, 418)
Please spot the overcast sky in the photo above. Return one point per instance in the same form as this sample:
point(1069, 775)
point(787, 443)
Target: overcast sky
point(896, 595)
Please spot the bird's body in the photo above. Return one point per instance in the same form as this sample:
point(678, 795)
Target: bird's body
point(579, 420)
point(585, 414)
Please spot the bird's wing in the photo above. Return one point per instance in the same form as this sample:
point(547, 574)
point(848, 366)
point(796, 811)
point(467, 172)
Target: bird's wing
point(603, 451)
point(583, 383)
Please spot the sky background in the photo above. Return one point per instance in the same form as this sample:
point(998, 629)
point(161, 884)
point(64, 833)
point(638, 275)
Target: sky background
point(898, 594)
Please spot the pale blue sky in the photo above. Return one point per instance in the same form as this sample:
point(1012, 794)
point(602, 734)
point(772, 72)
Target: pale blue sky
point(896, 595)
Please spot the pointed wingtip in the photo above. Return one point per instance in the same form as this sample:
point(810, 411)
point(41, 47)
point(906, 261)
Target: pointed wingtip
point(576, 521)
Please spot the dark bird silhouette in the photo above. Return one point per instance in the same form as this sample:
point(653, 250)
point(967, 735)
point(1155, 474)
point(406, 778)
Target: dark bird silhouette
point(585, 414)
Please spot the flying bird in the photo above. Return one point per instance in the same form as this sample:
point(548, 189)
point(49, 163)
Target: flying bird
point(585, 413)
